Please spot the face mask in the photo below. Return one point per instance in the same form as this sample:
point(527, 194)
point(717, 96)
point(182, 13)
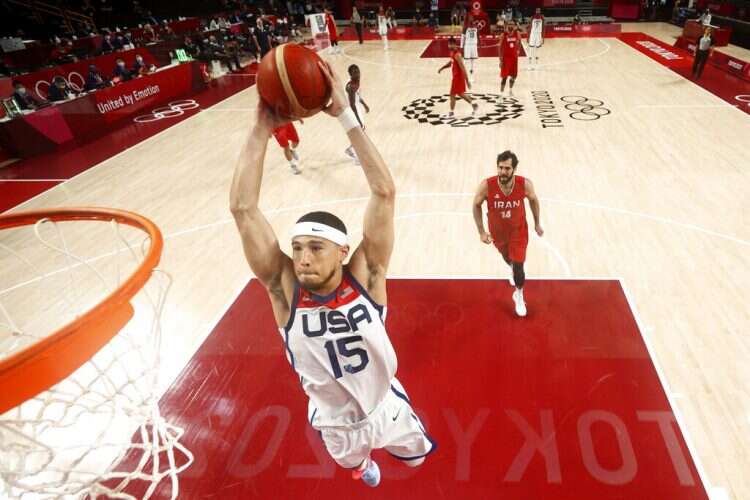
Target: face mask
point(139, 59)
point(21, 90)
point(121, 64)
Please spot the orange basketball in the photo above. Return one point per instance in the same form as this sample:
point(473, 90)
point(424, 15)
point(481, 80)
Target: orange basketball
point(290, 81)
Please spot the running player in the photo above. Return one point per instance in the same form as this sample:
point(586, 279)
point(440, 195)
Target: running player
point(460, 79)
point(509, 48)
point(356, 103)
point(331, 315)
point(333, 34)
point(536, 37)
point(383, 27)
point(286, 136)
point(506, 218)
point(469, 42)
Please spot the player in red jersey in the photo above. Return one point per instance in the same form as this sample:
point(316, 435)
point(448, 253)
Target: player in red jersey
point(509, 48)
point(460, 77)
point(333, 34)
point(287, 137)
point(506, 218)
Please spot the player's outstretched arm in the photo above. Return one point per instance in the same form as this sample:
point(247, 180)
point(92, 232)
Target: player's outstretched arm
point(259, 242)
point(479, 198)
point(534, 204)
point(369, 262)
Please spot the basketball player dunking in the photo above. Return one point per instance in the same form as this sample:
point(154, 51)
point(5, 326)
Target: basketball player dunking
point(509, 48)
point(331, 315)
point(536, 37)
point(460, 78)
point(356, 103)
point(506, 218)
point(286, 136)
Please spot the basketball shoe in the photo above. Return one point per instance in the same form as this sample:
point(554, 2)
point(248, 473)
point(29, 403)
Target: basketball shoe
point(520, 304)
point(369, 473)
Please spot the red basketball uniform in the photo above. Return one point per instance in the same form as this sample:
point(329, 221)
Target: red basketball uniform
point(458, 84)
point(331, 26)
point(506, 216)
point(286, 134)
point(510, 47)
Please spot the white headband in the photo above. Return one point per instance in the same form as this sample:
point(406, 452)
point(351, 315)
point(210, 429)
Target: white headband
point(321, 231)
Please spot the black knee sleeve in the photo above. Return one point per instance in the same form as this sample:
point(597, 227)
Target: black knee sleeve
point(519, 276)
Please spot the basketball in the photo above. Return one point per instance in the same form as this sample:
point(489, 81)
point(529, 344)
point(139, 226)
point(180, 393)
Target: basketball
point(290, 81)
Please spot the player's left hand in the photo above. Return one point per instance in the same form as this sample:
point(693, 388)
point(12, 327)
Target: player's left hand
point(539, 230)
point(339, 102)
point(367, 109)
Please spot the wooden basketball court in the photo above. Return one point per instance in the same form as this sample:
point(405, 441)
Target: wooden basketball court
point(643, 180)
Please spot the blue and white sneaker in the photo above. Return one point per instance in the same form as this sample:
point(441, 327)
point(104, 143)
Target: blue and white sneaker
point(370, 475)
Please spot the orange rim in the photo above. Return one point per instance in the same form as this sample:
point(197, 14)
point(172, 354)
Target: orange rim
point(47, 362)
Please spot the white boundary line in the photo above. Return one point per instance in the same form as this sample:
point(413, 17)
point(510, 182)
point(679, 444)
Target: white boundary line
point(712, 492)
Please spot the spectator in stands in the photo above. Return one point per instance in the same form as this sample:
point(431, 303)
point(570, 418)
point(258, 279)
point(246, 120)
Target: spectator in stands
point(94, 79)
point(417, 19)
point(149, 35)
point(432, 21)
point(107, 45)
point(454, 16)
point(235, 18)
point(120, 73)
point(60, 90)
point(191, 48)
point(168, 33)
point(128, 42)
point(119, 42)
point(24, 99)
point(703, 50)
point(214, 24)
point(139, 67)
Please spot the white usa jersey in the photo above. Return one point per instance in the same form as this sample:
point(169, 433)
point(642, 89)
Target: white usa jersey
point(471, 36)
point(536, 36)
point(382, 25)
point(340, 349)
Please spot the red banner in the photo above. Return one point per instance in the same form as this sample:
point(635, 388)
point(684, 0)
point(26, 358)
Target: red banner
point(75, 73)
point(90, 116)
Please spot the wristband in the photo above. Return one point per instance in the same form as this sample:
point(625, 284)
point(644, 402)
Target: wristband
point(348, 119)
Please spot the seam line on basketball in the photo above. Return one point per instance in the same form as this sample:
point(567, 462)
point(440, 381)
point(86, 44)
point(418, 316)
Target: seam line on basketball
point(297, 109)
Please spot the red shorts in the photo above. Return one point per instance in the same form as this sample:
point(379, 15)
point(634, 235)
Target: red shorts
point(509, 68)
point(511, 242)
point(458, 87)
point(286, 134)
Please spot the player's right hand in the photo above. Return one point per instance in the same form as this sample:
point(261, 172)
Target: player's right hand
point(485, 237)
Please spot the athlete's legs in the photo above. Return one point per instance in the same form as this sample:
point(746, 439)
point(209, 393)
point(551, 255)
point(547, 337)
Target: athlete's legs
point(519, 275)
point(453, 102)
point(502, 84)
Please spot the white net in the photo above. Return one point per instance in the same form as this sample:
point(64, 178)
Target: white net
point(99, 432)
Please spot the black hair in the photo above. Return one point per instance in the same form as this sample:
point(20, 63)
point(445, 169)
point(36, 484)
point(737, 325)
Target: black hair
point(16, 83)
point(508, 155)
point(351, 68)
point(325, 218)
point(452, 40)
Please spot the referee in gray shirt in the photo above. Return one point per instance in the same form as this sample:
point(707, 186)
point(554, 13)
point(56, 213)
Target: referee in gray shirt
point(703, 50)
point(356, 20)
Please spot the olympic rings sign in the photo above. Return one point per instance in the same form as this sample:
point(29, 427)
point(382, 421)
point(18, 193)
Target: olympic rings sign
point(476, 5)
point(68, 80)
point(171, 110)
point(743, 98)
point(584, 108)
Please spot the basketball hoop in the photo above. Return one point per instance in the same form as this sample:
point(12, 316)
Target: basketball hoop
point(72, 399)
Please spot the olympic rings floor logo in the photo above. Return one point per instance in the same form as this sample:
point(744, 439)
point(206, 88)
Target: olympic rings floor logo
point(584, 108)
point(171, 110)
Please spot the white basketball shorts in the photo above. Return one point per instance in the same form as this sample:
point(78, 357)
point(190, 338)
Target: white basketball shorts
point(393, 425)
point(470, 51)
